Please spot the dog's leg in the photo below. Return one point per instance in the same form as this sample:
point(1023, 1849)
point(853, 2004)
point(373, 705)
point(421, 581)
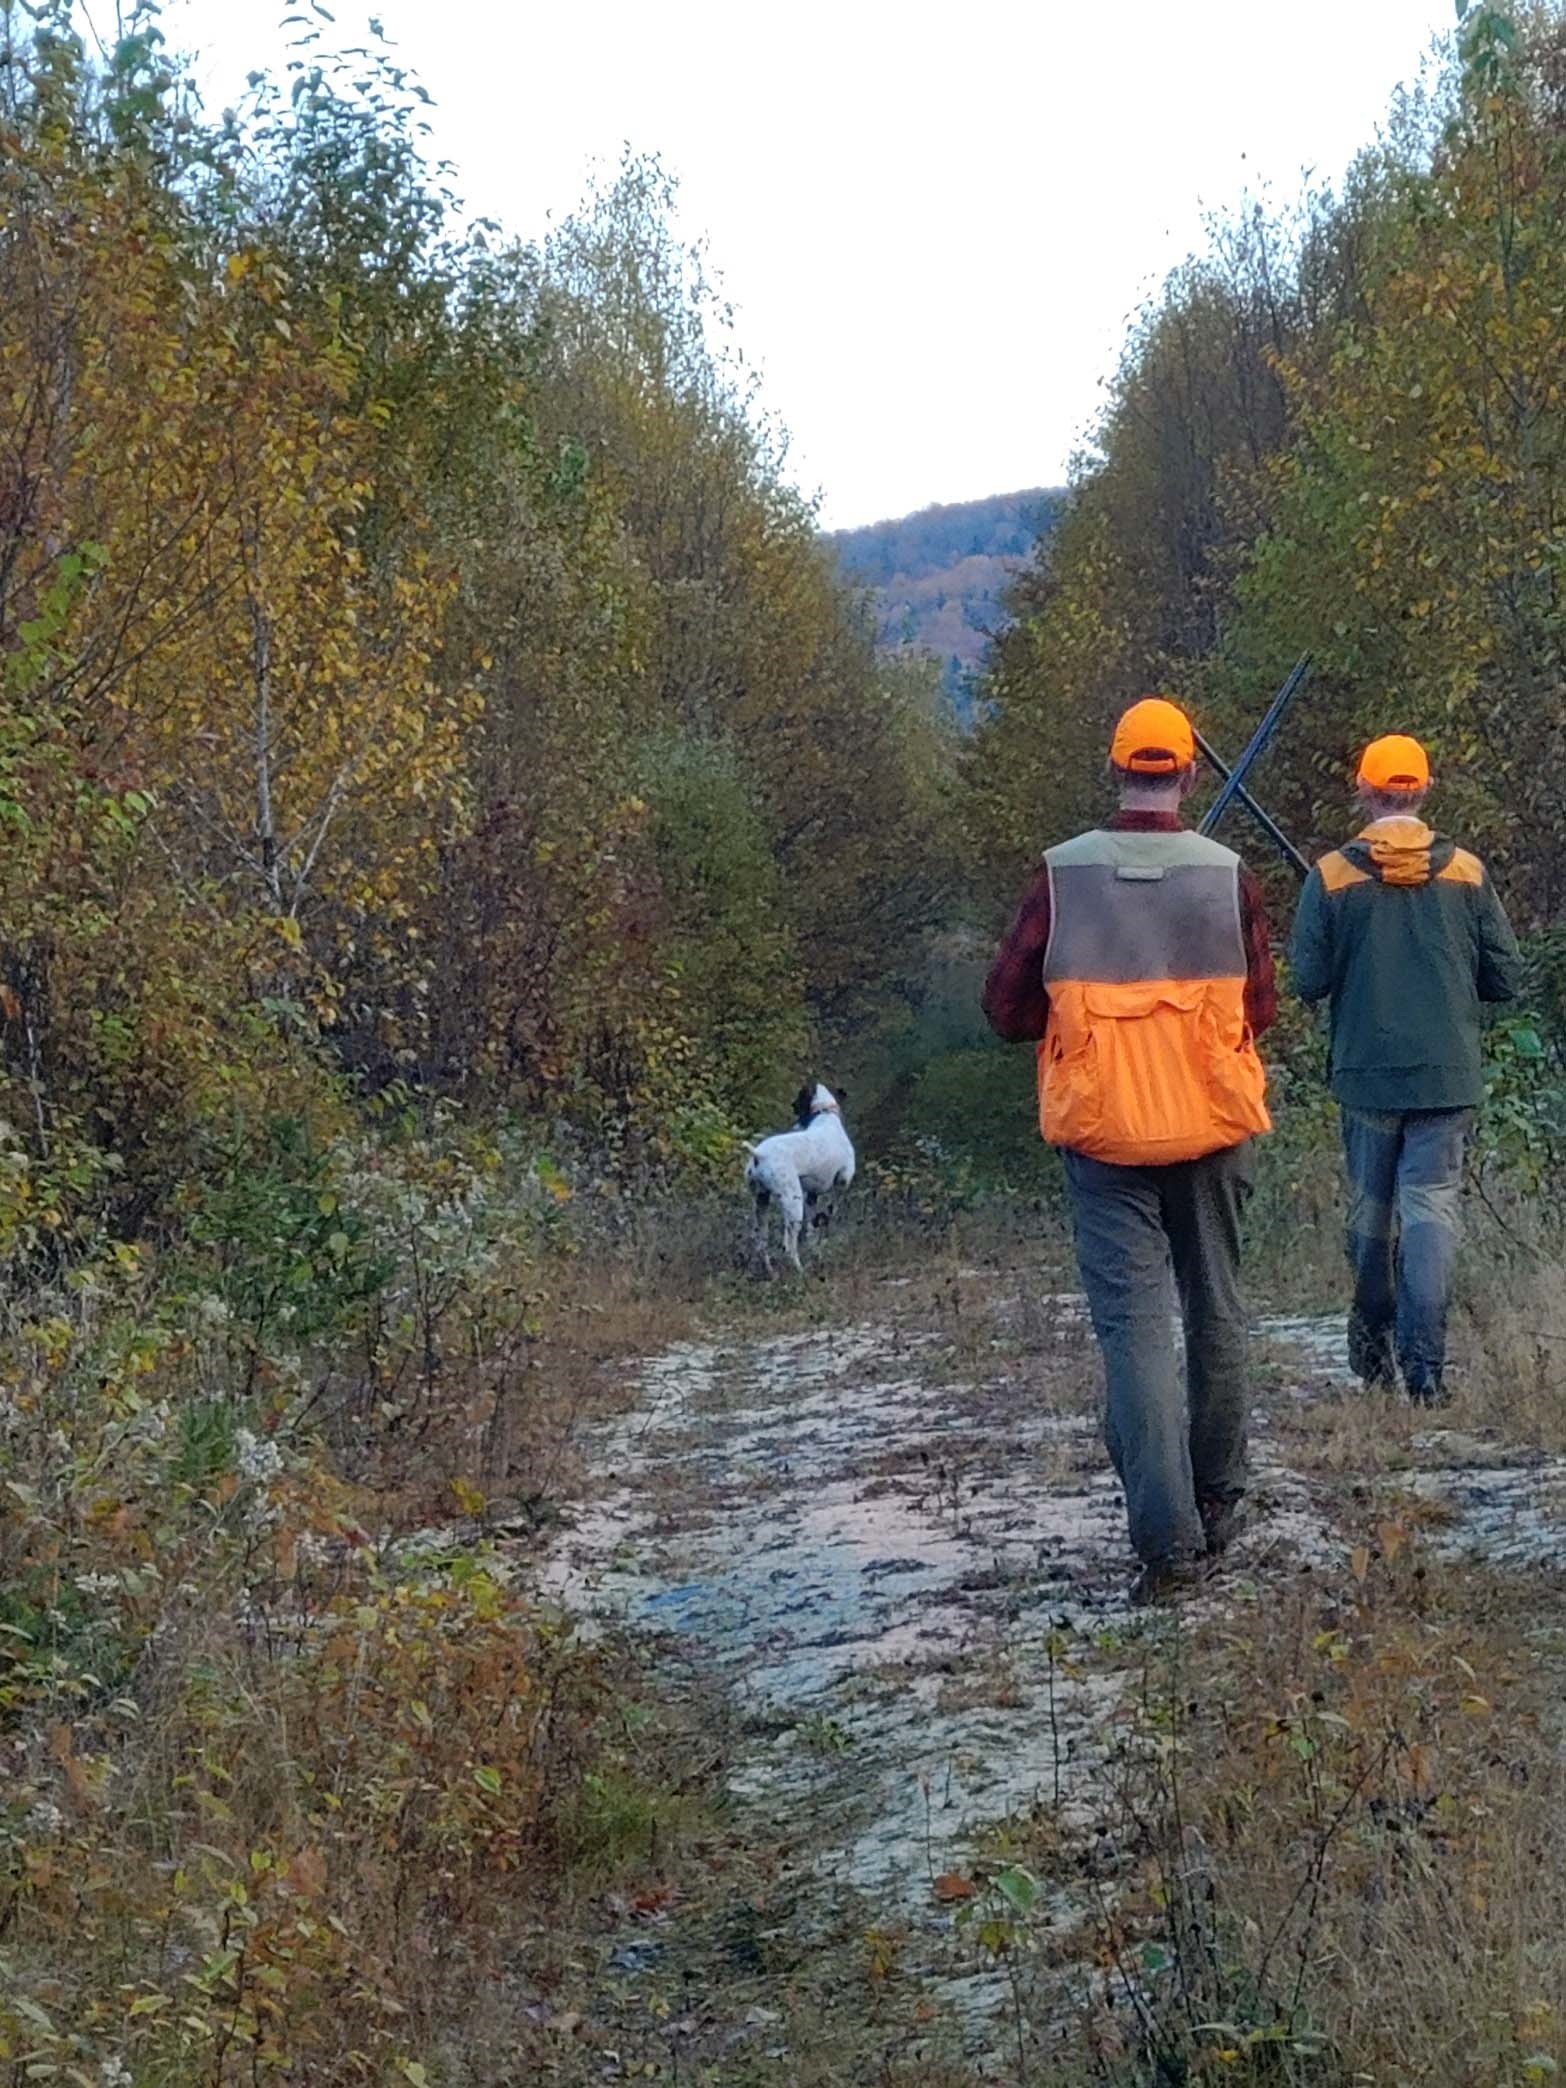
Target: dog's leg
point(791, 1202)
point(763, 1251)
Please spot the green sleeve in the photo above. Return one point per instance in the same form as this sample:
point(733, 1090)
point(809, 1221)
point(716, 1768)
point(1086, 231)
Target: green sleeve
point(1500, 960)
point(1310, 948)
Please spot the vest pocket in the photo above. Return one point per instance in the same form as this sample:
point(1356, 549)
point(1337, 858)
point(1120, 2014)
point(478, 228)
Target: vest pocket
point(1237, 1080)
point(1070, 1096)
point(1150, 1072)
point(1151, 1067)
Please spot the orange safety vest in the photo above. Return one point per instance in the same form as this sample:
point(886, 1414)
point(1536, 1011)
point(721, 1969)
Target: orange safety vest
point(1147, 1057)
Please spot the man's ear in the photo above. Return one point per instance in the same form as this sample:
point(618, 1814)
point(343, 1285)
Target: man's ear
point(1189, 778)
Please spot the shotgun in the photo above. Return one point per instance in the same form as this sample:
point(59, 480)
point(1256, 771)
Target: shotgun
point(1259, 813)
point(1233, 787)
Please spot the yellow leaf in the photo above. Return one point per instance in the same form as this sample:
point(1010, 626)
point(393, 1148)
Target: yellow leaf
point(468, 1497)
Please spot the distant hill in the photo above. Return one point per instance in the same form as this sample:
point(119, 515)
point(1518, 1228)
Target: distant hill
point(937, 576)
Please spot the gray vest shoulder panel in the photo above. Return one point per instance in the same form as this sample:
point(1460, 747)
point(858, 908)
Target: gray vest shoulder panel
point(1126, 907)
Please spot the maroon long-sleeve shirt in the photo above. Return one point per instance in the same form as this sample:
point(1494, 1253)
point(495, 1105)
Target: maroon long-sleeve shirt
point(1015, 1001)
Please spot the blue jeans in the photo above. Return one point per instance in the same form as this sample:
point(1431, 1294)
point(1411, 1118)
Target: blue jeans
point(1405, 1171)
point(1149, 1238)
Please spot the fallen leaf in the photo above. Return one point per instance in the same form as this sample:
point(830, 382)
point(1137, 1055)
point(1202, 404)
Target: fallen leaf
point(306, 1874)
point(950, 1885)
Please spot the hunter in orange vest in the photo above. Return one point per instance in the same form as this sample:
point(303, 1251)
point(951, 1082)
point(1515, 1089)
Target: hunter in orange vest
point(1140, 964)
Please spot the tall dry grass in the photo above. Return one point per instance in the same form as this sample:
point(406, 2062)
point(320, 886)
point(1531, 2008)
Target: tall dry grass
point(1340, 1840)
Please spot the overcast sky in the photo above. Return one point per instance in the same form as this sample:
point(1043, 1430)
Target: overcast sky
point(934, 223)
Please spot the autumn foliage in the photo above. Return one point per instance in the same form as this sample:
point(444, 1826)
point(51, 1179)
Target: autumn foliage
point(445, 788)
point(414, 654)
point(1339, 431)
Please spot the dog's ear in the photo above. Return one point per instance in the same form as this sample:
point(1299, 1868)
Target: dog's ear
point(802, 1102)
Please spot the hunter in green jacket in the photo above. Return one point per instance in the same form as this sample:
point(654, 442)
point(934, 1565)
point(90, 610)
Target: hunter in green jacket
point(1403, 933)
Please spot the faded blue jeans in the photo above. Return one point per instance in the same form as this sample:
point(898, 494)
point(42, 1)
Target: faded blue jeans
point(1405, 1172)
point(1148, 1237)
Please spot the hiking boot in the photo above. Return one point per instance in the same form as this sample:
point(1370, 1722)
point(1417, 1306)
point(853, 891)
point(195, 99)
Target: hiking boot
point(1426, 1389)
point(1223, 1518)
point(1370, 1356)
point(1166, 1580)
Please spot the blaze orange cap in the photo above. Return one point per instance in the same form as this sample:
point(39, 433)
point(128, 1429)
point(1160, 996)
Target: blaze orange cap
point(1395, 763)
point(1153, 738)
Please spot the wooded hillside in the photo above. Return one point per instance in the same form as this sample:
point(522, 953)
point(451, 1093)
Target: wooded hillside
point(447, 790)
point(938, 578)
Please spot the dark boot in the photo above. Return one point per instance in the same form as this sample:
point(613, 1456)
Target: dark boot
point(1425, 1388)
point(1223, 1518)
point(1166, 1580)
point(1371, 1355)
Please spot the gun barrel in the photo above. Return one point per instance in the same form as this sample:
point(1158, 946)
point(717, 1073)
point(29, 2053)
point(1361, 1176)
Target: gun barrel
point(1259, 813)
point(1234, 783)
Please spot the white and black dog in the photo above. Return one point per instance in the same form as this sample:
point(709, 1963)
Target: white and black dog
point(796, 1169)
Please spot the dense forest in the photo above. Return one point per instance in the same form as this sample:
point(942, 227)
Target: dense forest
point(1006, 525)
point(415, 654)
point(448, 789)
point(937, 578)
point(451, 791)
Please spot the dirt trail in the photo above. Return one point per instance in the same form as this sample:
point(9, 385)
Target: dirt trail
point(877, 1538)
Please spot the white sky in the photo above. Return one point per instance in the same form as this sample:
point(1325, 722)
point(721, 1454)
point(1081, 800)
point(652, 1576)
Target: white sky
point(934, 222)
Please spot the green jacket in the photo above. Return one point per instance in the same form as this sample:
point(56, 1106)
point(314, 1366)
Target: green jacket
point(1403, 929)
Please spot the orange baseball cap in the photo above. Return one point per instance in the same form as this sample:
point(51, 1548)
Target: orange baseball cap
point(1153, 738)
point(1395, 763)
